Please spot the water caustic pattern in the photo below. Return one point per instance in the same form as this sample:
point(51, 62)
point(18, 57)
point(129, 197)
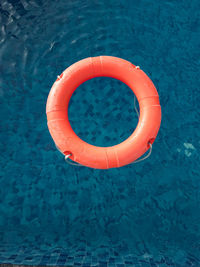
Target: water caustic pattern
point(144, 214)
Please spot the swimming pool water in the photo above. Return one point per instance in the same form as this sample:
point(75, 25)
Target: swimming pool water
point(146, 214)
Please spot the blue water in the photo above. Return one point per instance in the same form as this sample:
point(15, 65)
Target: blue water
point(145, 214)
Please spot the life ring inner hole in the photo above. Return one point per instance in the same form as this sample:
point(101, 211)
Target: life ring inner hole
point(101, 111)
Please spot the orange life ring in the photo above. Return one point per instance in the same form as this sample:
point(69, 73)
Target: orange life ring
point(103, 157)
